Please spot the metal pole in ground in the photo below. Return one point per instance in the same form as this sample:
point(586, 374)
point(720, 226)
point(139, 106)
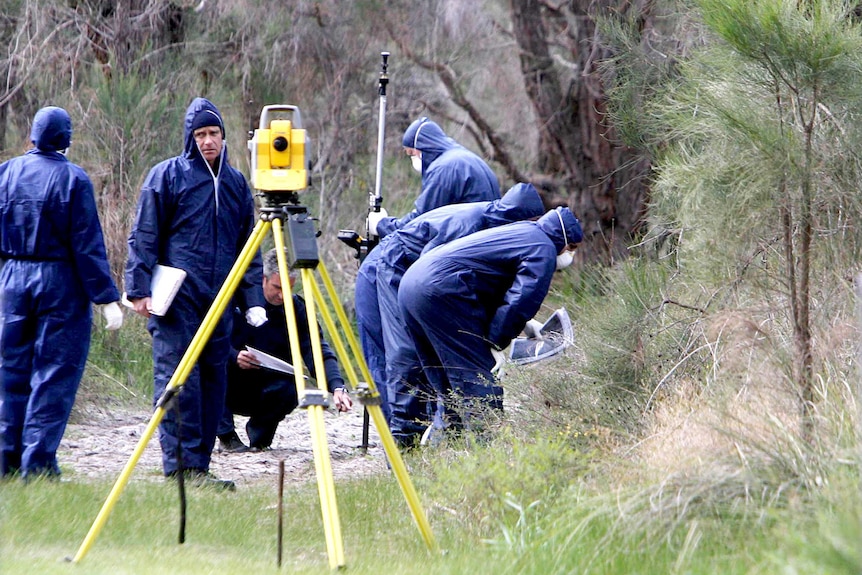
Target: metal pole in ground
point(280, 509)
point(858, 290)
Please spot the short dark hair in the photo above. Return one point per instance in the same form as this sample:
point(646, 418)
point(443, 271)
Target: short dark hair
point(270, 264)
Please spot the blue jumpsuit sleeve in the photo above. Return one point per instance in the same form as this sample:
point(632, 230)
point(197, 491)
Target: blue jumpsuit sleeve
point(239, 335)
point(522, 300)
point(143, 241)
point(88, 245)
point(388, 225)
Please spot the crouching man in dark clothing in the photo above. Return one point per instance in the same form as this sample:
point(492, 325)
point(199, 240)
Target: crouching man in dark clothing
point(264, 395)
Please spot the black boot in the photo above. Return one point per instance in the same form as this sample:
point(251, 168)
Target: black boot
point(231, 443)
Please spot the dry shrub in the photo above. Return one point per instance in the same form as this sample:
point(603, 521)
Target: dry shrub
point(746, 412)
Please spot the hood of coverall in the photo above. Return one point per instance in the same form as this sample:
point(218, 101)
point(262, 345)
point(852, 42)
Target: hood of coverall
point(521, 202)
point(200, 113)
point(550, 224)
point(52, 129)
point(427, 137)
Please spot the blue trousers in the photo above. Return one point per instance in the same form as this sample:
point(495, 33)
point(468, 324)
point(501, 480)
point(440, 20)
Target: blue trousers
point(369, 327)
point(411, 396)
point(45, 323)
point(202, 396)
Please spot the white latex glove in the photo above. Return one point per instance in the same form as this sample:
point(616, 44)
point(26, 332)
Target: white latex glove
point(374, 219)
point(255, 316)
point(499, 360)
point(113, 316)
point(533, 329)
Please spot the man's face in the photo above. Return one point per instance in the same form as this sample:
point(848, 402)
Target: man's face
point(272, 290)
point(210, 142)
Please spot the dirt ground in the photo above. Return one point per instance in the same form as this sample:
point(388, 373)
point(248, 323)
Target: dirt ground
point(101, 440)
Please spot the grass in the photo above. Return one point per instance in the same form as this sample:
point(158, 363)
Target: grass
point(226, 532)
point(511, 506)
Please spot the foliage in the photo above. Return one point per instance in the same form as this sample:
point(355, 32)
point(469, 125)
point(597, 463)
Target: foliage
point(756, 135)
point(631, 332)
point(507, 476)
point(119, 368)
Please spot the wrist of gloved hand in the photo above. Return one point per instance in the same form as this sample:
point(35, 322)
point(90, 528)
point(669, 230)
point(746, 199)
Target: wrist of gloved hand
point(255, 316)
point(113, 316)
point(499, 359)
point(374, 219)
point(533, 329)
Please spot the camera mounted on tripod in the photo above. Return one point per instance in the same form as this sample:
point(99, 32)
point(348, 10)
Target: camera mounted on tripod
point(277, 148)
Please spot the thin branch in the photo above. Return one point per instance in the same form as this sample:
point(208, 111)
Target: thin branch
point(682, 305)
point(30, 69)
point(450, 81)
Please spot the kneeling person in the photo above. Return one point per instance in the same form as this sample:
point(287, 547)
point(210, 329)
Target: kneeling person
point(267, 396)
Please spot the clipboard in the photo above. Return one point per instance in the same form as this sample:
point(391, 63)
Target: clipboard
point(165, 284)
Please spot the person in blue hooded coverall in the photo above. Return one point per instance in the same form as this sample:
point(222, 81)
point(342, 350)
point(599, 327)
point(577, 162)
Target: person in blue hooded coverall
point(409, 391)
point(464, 301)
point(55, 266)
point(451, 174)
point(195, 212)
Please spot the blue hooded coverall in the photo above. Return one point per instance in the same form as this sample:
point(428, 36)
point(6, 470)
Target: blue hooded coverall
point(475, 292)
point(451, 174)
point(267, 396)
point(408, 390)
point(194, 219)
point(55, 265)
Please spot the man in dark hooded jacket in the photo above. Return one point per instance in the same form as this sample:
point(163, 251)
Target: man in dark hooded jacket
point(195, 212)
point(265, 395)
point(55, 265)
point(407, 389)
point(451, 174)
point(464, 301)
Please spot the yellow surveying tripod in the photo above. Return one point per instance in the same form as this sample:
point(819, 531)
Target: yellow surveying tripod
point(278, 146)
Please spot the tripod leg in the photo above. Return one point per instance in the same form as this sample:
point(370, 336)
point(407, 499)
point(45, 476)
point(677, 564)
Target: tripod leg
point(178, 379)
point(373, 409)
point(320, 447)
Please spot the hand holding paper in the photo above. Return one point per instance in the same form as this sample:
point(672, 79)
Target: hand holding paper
point(533, 329)
point(246, 360)
point(271, 362)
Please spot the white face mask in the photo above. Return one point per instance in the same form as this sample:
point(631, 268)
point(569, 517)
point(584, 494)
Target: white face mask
point(417, 162)
point(564, 260)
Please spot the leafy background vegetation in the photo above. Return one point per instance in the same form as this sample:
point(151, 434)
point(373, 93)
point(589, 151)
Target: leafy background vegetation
point(705, 419)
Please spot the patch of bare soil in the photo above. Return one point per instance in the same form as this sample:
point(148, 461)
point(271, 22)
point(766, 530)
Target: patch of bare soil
point(102, 440)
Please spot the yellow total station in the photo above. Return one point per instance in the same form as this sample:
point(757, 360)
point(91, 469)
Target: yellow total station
point(278, 152)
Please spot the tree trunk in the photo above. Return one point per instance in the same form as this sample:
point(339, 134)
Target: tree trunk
point(580, 163)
